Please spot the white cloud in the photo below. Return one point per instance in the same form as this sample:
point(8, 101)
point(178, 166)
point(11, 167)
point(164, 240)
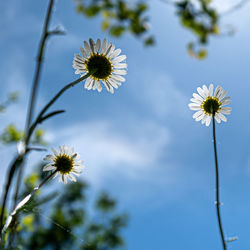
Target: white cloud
point(106, 150)
point(161, 96)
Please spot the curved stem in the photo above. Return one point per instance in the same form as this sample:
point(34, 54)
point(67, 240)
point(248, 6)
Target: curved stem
point(19, 159)
point(217, 189)
point(25, 200)
point(46, 107)
point(44, 37)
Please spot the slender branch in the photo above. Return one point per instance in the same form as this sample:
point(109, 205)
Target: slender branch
point(15, 164)
point(44, 37)
point(46, 107)
point(19, 159)
point(217, 202)
point(25, 200)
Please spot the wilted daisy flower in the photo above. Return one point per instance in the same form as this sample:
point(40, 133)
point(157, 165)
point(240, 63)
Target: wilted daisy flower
point(65, 162)
point(106, 60)
point(207, 103)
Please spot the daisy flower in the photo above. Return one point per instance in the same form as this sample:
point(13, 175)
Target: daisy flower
point(206, 103)
point(106, 60)
point(65, 162)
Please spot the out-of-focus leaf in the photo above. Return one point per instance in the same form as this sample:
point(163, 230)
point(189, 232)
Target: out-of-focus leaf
point(27, 222)
point(11, 134)
point(119, 16)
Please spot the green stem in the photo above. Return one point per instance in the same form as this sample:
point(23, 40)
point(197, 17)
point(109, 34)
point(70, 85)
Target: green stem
point(25, 200)
point(42, 112)
point(19, 159)
point(217, 202)
point(39, 62)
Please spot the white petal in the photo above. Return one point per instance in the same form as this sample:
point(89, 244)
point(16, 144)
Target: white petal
point(208, 120)
point(71, 152)
point(222, 117)
point(92, 45)
point(75, 156)
point(205, 90)
point(84, 54)
point(211, 88)
point(72, 177)
point(200, 117)
point(118, 78)
point(225, 102)
point(217, 118)
point(111, 48)
point(64, 178)
point(97, 45)
point(108, 86)
point(222, 94)
point(226, 110)
point(87, 48)
point(119, 59)
point(104, 46)
point(55, 175)
point(48, 167)
point(217, 91)
point(60, 178)
point(201, 92)
point(94, 87)
point(224, 99)
point(120, 65)
point(99, 86)
point(194, 106)
point(204, 119)
point(54, 151)
point(49, 158)
point(116, 53)
point(197, 114)
point(66, 149)
point(196, 101)
point(113, 84)
point(120, 72)
point(88, 82)
point(198, 97)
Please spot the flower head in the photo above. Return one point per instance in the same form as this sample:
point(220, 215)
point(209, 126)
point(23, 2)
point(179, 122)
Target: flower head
point(65, 162)
point(106, 62)
point(207, 103)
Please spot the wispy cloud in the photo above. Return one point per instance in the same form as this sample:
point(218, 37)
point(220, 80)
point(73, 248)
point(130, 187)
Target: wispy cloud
point(105, 150)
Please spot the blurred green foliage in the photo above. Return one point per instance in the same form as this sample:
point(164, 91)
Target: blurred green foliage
point(202, 20)
point(119, 16)
point(68, 222)
point(12, 134)
point(11, 98)
point(123, 15)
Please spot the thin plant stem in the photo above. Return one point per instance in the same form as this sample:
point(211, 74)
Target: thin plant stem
point(32, 102)
point(19, 159)
point(25, 200)
point(44, 37)
point(217, 188)
point(41, 49)
point(46, 107)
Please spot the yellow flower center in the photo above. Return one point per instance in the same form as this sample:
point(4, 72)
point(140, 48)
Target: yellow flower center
point(211, 105)
point(63, 163)
point(101, 64)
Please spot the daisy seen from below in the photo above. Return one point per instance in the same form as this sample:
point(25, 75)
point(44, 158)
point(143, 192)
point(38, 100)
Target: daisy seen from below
point(208, 103)
point(106, 60)
point(65, 163)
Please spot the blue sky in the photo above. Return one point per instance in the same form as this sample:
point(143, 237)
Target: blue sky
point(141, 143)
